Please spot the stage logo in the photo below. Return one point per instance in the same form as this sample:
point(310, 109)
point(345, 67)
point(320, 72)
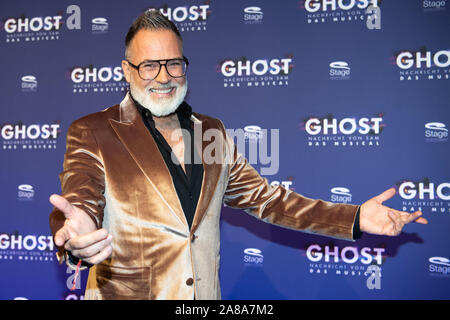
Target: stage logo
point(41, 28)
point(99, 25)
point(253, 132)
point(29, 247)
point(340, 195)
point(187, 18)
point(253, 257)
point(339, 70)
point(25, 192)
point(29, 83)
point(425, 196)
point(439, 267)
point(422, 64)
point(30, 136)
point(96, 79)
point(436, 132)
point(434, 5)
point(333, 132)
point(366, 13)
point(253, 15)
point(243, 72)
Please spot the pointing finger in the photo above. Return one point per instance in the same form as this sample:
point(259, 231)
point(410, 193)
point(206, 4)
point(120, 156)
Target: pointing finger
point(61, 236)
point(62, 204)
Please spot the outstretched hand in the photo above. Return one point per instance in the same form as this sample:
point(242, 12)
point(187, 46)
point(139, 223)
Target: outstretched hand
point(378, 219)
point(79, 235)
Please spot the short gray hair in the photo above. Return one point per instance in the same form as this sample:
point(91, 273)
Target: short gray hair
point(150, 20)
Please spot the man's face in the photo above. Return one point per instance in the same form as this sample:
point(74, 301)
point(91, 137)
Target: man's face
point(163, 94)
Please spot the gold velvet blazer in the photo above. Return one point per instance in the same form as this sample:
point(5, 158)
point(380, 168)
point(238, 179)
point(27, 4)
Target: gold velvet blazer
point(114, 171)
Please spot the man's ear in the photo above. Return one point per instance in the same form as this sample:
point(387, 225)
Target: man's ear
point(126, 70)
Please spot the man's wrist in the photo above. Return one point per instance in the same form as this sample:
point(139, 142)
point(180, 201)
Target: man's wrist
point(73, 261)
point(357, 234)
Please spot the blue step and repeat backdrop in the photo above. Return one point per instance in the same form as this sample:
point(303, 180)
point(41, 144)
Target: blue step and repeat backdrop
point(359, 91)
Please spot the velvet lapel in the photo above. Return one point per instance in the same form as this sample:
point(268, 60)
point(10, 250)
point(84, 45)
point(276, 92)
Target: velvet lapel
point(138, 141)
point(211, 173)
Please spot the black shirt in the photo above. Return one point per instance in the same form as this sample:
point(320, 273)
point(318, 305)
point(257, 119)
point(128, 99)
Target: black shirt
point(187, 184)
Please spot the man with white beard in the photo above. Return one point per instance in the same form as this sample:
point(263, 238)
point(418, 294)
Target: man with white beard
point(148, 226)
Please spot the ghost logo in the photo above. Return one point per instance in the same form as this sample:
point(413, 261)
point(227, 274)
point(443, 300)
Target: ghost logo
point(259, 67)
point(374, 279)
point(351, 132)
point(346, 261)
point(336, 11)
point(334, 5)
point(34, 136)
point(97, 79)
point(407, 60)
point(423, 64)
point(192, 18)
point(409, 190)
point(41, 27)
point(256, 73)
point(425, 196)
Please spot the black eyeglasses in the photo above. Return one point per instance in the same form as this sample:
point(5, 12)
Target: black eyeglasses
point(149, 69)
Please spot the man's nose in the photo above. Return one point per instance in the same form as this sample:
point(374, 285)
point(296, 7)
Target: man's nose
point(163, 75)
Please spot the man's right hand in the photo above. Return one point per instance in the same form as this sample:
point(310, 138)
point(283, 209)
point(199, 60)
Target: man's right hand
point(79, 235)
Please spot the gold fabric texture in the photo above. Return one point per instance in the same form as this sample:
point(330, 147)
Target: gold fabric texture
point(114, 171)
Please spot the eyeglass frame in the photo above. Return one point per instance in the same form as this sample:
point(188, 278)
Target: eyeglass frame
point(160, 66)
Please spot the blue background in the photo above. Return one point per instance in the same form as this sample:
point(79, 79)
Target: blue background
point(372, 88)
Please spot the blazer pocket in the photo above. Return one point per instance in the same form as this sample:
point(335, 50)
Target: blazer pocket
point(117, 283)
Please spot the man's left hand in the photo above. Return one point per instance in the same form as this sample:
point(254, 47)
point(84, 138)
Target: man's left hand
point(378, 219)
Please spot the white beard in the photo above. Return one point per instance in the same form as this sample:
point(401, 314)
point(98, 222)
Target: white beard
point(160, 107)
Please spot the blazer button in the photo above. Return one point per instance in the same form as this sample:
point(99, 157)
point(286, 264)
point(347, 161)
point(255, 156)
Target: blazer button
point(189, 281)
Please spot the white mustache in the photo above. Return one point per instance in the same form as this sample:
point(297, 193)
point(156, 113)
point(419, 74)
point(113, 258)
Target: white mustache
point(164, 86)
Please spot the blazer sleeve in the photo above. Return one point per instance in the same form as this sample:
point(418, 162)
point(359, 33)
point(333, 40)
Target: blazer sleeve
point(247, 190)
point(82, 179)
